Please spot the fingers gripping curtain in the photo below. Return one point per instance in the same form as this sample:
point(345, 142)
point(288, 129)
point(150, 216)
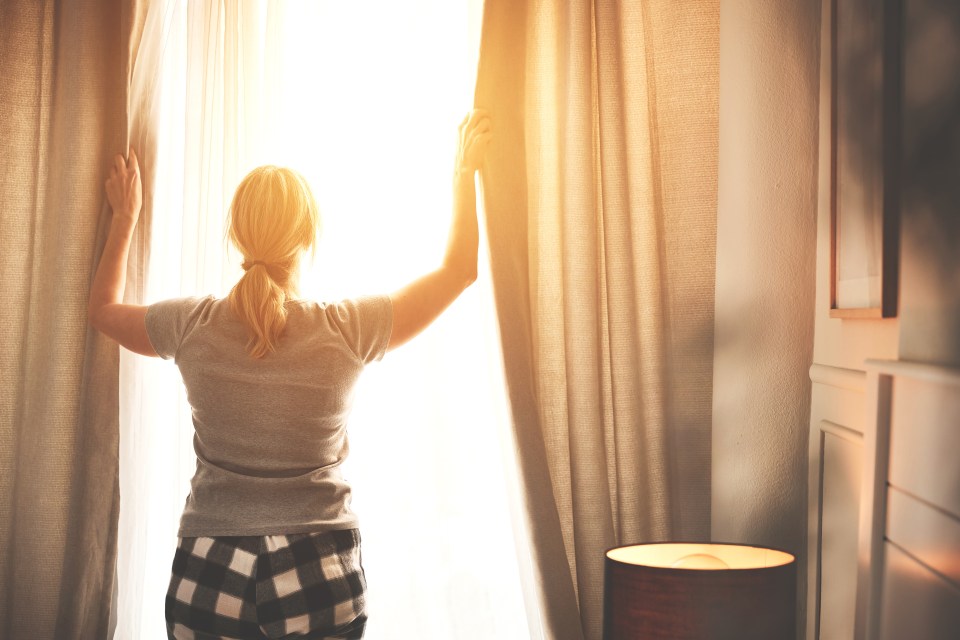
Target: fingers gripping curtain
point(600, 193)
point(63, 115)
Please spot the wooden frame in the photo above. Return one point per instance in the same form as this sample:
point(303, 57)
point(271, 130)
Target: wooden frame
point(873, 502)
point(864, 57)
point(837, 398)
point(815, 545)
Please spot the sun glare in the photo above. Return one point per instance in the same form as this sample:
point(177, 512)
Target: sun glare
point(368, 110)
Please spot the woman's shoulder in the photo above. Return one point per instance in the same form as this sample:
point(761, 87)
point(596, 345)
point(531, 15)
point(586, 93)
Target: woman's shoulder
point(339, 306)
point(185, 305)
point(304, 307)
point(362, 323)
point(342, 311)
point(169, 321)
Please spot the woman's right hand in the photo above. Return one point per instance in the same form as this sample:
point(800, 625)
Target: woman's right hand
point(474, 137)
point(418, 304)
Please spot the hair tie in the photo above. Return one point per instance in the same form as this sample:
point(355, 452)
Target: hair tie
point(249, 264)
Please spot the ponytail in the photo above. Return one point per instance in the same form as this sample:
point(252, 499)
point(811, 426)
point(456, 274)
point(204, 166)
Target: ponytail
point(273, 219)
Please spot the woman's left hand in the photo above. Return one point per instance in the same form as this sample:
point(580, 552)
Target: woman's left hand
point(124, 189)
point(475, 136)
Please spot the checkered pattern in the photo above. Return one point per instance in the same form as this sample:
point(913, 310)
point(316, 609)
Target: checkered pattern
point(307, 584)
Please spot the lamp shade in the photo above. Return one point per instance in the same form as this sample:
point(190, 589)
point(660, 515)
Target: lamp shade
point(699, 591)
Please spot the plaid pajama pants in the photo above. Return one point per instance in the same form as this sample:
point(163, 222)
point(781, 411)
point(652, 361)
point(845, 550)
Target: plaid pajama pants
point(303, 585)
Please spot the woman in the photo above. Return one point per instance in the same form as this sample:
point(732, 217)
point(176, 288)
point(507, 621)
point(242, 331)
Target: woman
point(268, 546)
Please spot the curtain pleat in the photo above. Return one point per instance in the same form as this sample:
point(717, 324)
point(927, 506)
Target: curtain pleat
point(63, 116)
point(600, 194)
point(501, 89)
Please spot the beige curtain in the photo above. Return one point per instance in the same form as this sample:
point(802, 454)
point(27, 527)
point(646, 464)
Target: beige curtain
point(63, 110)
point(600, 194)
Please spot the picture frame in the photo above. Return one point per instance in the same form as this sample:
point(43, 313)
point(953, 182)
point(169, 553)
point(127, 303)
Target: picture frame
point(865, 73)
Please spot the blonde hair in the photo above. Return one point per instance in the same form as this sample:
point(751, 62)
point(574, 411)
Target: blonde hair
point(273, 219)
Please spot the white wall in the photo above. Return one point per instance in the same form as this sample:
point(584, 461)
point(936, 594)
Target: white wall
point(766, 249)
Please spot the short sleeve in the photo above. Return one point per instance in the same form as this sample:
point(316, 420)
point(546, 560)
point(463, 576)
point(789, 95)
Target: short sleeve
point(365, 324)
point(169, 321)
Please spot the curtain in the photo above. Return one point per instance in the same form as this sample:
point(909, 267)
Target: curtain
point(365, 102)
point(63, 116)
point(600, 192)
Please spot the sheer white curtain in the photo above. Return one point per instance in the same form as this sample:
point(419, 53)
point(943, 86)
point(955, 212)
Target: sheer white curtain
point(364, 99)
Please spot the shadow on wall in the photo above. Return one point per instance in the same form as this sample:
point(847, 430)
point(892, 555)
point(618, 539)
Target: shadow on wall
point(766, 274)
point(930, 171)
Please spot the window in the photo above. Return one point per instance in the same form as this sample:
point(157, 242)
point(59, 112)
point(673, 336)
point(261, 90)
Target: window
point(364, 100)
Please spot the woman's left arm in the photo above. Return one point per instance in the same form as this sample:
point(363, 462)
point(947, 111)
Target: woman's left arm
point(125, 323)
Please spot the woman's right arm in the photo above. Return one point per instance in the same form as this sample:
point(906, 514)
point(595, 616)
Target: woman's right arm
point(419, 303)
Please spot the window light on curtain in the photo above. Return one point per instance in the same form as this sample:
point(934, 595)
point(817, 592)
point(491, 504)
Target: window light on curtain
point(364, 100)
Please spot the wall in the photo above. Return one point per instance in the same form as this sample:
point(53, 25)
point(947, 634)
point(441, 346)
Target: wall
point(774, 203)
point(849, 421)
point(918, 586)
point(930, 271)
point(766, 247)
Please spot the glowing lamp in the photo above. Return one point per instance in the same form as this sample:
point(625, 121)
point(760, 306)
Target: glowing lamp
point(693, 591)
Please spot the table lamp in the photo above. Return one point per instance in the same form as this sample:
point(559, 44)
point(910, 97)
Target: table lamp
point(699, 591)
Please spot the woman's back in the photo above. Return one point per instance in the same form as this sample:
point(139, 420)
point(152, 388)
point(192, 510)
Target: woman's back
point(270, 431)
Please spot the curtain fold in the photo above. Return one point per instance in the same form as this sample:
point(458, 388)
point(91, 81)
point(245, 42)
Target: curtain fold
point(600, 195)
point(501, 90)
point(63, 116)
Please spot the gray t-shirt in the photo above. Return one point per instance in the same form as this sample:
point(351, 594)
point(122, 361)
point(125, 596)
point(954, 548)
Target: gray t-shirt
point(270, 433)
